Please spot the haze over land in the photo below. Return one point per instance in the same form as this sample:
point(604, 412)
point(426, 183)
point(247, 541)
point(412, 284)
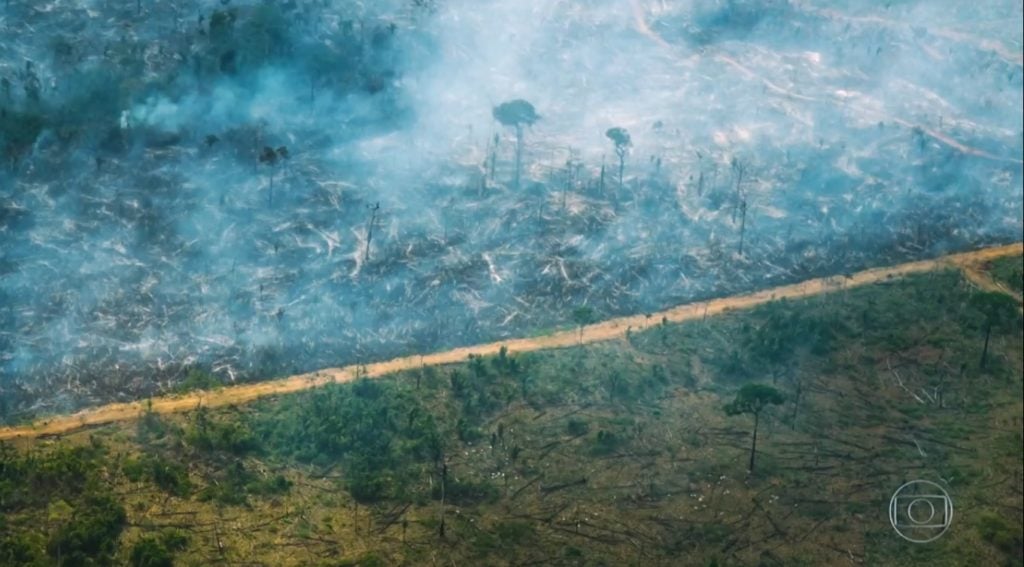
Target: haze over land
point(140, 235)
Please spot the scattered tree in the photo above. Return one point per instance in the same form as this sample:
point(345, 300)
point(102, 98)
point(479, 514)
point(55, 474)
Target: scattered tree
point(271, 158)
point(620, 137)
point(582, 316)
point(738, 171)
point(743, 222)
point(91, 535)
point(157, 550)
point(752, 399)
point(700, 177)
point(516, 113)
point(369, 229)
point(494, 156)
point(998, 311)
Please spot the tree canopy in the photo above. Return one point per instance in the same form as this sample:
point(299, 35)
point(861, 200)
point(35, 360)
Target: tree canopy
point(620, 137)
point(998, 310)
point(516, 113)
point(752, 398)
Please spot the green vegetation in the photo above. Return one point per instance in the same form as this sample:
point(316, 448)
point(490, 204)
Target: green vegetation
point(212, 435)
point(157, 550)
point(582, 316)
point(374, 431)
point(57, 507)
point(753, 399)
point(608, 454)
point(996, 311)
point(196, 379)
point(1009, 271)
point(997, 531)
point(168, 476)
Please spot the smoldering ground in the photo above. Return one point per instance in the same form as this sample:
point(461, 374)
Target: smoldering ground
point(143, 234)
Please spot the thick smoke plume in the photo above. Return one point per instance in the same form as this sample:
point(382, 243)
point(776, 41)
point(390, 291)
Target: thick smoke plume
point(195, 184)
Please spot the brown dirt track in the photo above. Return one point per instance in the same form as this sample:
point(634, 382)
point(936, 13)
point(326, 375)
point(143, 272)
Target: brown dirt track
point(603, 331)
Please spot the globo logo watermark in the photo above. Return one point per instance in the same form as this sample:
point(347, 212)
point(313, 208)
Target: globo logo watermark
point(920, 511)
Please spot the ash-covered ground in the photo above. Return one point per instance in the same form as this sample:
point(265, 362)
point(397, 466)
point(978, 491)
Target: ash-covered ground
point(146, 230)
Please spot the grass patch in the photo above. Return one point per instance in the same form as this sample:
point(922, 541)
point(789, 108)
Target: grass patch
point(606, 454)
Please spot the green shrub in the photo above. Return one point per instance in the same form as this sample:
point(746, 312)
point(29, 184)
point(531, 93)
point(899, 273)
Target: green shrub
point(226, 436)
point(196, 379)
point(1001, 534)
point(91, 537)
point(605, 443)
point(466, 492)
point(158, 551)
point(274, 485)
point(168, 476)
point(514, 533)
point(20, 548)
point(151, 552)
point(366, 560)
point(376, 431)
point(151, 426)
point(577, 427)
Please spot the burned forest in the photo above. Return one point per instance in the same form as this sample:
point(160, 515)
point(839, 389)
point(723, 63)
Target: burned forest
point(264, 188)
point(510, 282)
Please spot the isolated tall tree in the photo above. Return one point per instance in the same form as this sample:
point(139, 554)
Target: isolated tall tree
point(743, 222)
point(620, 137)
point(738, 171)
point(582, 316)
point(516, 114)
point(752, 399)
point(700, 179)
point(271, 158)
point(494, 155)
point(998, 311)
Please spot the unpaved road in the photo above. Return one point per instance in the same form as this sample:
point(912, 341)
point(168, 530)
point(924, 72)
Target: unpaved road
point(606, 330)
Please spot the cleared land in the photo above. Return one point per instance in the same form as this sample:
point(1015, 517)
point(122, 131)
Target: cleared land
point(612, 453)
point(607, 330)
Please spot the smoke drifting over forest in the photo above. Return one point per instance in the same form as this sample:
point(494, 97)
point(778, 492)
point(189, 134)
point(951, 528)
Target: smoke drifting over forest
point(193, 184)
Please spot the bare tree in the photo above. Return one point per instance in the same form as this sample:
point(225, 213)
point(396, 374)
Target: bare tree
point(739, 169)
point(494, 155)
point(700, 177)
point(369, 229)
point(743, 222)
point(444, 486)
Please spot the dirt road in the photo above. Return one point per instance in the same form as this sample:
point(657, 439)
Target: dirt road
point(606, 330)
